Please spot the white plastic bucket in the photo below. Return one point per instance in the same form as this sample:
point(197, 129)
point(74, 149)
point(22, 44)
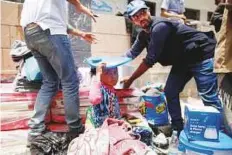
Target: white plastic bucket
point(223, 147)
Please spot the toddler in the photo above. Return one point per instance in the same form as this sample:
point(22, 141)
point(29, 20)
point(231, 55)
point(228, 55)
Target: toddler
point(103, 96)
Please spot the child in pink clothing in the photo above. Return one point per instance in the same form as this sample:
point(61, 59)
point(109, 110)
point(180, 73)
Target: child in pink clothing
point(103, 97)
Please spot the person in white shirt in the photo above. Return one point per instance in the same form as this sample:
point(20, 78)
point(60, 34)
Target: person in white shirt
point(173, 9)
point(45, 29)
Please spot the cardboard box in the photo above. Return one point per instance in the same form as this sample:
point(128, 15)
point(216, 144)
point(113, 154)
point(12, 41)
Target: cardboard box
point(111, 43)
point(5, 36)
point(16, 33)
point(104, 53)
point(7, 64)
point(109, 24)
point(202, 123)
point(10, 13)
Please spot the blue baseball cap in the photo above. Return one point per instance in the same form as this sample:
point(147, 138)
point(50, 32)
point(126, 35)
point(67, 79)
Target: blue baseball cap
point(134, 6)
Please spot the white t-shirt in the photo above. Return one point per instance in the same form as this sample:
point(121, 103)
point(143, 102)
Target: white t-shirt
point(49, 14)
point(173, 6)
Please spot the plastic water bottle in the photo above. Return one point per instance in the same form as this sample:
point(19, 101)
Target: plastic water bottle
point(173, 146)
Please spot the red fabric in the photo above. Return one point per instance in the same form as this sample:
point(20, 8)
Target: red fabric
point(18, 122)
point(57, 127)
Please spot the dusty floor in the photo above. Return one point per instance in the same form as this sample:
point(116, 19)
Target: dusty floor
point(14, 142)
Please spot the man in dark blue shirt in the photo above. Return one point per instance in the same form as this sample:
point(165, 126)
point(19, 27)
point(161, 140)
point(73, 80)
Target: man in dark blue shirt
point(168, 42)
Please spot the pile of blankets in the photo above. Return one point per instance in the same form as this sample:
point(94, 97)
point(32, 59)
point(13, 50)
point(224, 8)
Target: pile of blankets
point(114, 137)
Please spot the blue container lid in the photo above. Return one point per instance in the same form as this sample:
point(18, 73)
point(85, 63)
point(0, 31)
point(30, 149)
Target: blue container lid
point(224, 144)
point(111, 61)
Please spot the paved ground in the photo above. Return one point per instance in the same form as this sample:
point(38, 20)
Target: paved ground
point(14, 142)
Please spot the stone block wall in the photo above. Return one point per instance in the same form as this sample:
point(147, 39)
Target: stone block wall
point(10, 31)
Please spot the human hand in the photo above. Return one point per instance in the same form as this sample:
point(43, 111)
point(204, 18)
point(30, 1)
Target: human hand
point(89, 37)
point(93, 16)
point(182, 16)
point(80, 7)
point(100, 68)
point(126, 82)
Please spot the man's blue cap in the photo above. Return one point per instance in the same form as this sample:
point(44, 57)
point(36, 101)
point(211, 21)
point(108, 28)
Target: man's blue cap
point(134, 6)
point(111, 62)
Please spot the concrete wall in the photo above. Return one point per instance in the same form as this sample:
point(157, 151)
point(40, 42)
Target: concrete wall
point(114, 6)
point(10, 31)
point(108, 6)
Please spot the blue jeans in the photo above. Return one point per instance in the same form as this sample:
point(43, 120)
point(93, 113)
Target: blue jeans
point(206, 82)
point(54, 56)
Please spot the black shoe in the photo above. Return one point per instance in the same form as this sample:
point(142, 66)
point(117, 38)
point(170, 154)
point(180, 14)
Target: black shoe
point(30, 139)
point(178, 125)
point(73, 133)
point(165, 129)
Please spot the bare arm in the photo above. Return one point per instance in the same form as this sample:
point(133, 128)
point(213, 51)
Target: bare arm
point(89, 37)
point(73, 31)
point(138, 46)
point(143, 67)
point(80, 7)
